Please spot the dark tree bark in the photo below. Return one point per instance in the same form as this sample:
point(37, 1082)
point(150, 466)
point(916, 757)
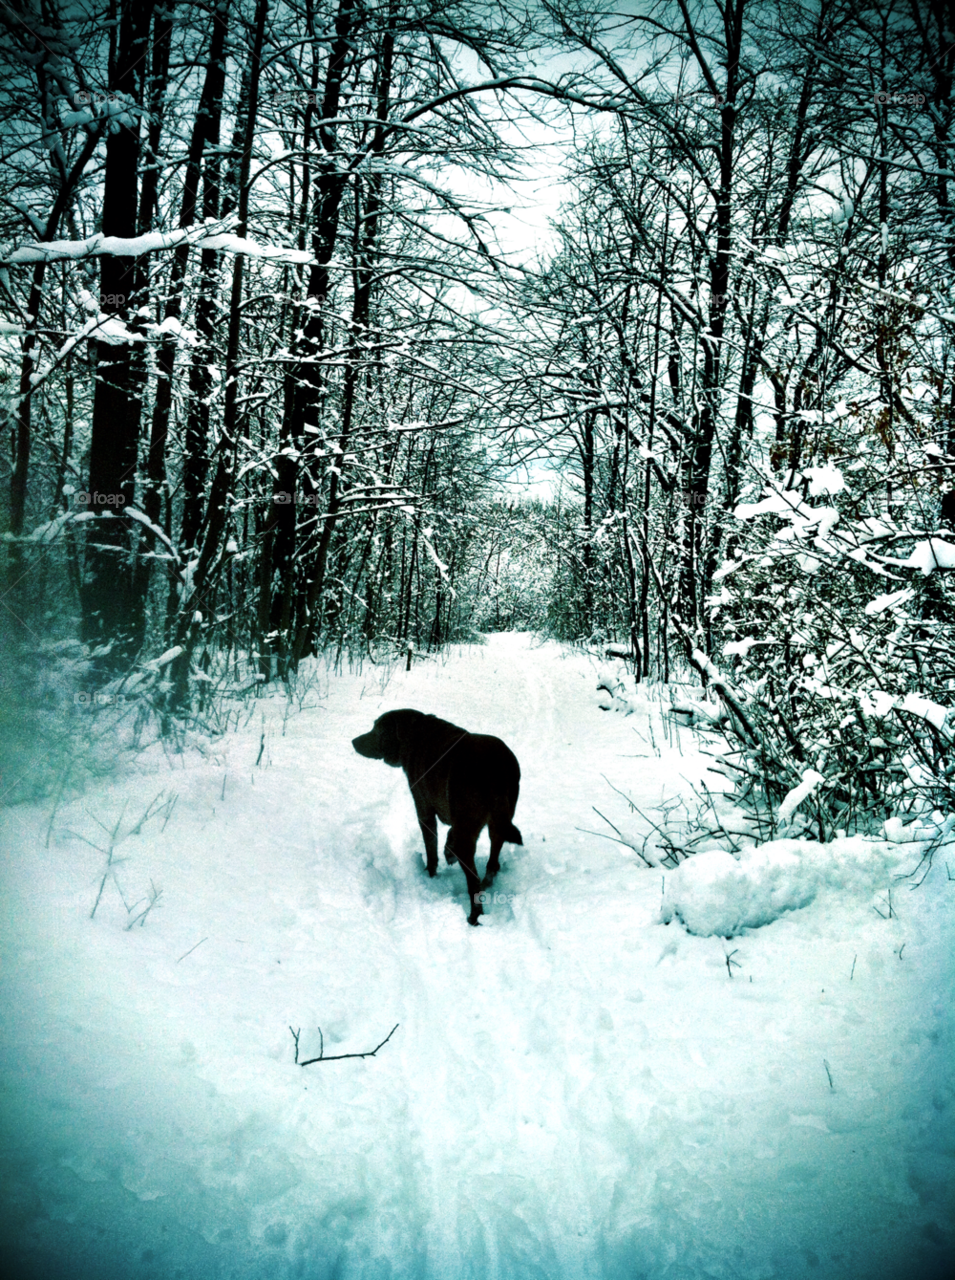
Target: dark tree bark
point(45, 55)
point(113, 608)
point(217, 510)
point(367, 231)
point(205, 134)
point(306, 381)
point(694, 559)
point(198, 426)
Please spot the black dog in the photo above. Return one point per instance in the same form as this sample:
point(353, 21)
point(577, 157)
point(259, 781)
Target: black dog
point(468, 780)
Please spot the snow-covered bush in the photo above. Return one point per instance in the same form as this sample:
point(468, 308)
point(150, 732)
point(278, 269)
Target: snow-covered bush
point(717, 895)
point(838, 629)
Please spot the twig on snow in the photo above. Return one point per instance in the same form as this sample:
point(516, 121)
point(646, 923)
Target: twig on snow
point(191, 949)
point(109, 856)
point(154, 896)
point(338, 1057)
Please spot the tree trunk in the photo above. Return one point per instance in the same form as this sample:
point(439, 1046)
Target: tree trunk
point(217, 513)
point(307, 379)
point(205, 134)
point(694, 584)
point(113, 609)
point(367, 231)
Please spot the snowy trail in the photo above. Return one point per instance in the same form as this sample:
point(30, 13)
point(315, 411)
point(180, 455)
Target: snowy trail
point(576, 1089)
point(489, 1071)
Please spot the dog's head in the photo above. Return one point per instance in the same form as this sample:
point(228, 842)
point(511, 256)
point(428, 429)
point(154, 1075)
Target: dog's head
point(384, 741)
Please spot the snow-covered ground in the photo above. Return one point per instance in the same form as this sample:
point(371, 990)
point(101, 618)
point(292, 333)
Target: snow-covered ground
point(575, 1089)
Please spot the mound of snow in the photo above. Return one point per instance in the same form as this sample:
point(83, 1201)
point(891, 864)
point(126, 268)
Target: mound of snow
point(610, 677)
point(714, 894)
point(612, 687)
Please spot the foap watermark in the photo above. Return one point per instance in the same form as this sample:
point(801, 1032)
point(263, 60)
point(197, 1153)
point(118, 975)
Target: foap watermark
point(297, 98)
point(94, 97)
point(687, 97)
point(889, 98)
point(93, 698)
point(488, 898)
point(92, 498)
point(309, 98)
point(283, 499)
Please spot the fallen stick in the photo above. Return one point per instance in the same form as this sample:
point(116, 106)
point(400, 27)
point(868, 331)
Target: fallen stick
point(338, 1057)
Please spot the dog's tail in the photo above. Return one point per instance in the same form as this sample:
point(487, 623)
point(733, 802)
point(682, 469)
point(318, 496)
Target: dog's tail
point(512, 835)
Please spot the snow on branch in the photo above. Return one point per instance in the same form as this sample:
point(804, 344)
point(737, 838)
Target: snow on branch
point(928, 555)
point(859, 540)
point(794, 798)
point(48, 532)
point(732, 700)
point(441, 567)
point(202, 237)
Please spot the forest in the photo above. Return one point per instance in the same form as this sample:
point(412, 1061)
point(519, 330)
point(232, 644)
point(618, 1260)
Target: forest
point(368, 326)
point(581, 372)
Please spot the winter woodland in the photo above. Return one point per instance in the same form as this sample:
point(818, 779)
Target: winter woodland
point(339, 338)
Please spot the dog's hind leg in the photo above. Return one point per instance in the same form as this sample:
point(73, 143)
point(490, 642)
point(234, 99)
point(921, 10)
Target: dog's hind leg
point(463, 844)
point(501, 829)
point(494, 861)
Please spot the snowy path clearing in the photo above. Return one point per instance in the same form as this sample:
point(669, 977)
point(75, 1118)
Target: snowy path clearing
point(575, 1089)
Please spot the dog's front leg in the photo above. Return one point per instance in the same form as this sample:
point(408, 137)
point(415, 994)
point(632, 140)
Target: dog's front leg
point(450, 856)
point(428, 822)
